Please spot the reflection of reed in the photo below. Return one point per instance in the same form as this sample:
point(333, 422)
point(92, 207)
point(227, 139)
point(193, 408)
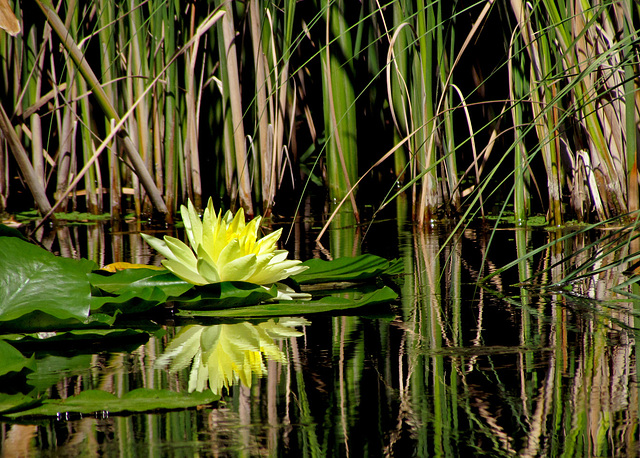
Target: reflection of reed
point(573, 392)
point(458, 369)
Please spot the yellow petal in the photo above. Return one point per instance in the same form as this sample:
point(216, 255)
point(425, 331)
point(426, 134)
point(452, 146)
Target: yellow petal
point(237, 224)
point(210, 226)
point(181, 252)
point(209, 339)
point(279, 256)
point(181, 350)
point(240, 269)
point(159, 245)
point(208, 270)
point(199, 374)
point(219, 242)
point(274, 272)
point(183, 272)
point(267, 244)
point(230, 252)
point(192, 224)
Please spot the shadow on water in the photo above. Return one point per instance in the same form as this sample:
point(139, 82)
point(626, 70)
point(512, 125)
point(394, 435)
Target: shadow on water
point(449, 369)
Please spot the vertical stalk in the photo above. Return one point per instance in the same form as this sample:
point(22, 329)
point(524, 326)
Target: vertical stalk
point(191, 152)
point(256, 20)
point(22, 158)
point(631, 129)
point(398, 76)
point(106, 36)
point(138, 70)
point(427, 205)
point(81, 62)
point(516, 94)
point(339, 105)
point(231, 81)
point(165, 32)
point(449, 145)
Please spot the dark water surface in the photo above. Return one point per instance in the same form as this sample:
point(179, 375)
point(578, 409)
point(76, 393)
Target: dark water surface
point(449, 369)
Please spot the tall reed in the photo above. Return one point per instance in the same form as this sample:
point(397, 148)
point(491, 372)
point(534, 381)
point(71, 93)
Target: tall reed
point(222, 99)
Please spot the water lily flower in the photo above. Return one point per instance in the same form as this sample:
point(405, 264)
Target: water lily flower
point(224, 248)
point(223, 354)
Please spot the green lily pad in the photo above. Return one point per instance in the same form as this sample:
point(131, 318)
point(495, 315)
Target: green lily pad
point(226, 294)
point(139, 279)
point(16, 402)
point(12, 360)
point(83, 339)
point(134, 290)
point(359, 268)
point(138, 400)
point(282, 308)
point(138, 290)
point(34, 280)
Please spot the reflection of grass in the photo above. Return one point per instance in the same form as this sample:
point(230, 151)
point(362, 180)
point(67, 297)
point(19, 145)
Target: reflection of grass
point(511, 220)
point(567, 360)
point(76, 217)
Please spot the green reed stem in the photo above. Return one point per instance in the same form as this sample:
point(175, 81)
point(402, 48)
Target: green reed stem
point(631, 130)
point(138, 165)
point(339, 105)
point(232, 96)
point(22, 158)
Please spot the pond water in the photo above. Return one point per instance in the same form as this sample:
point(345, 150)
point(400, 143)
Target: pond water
point(450, 368)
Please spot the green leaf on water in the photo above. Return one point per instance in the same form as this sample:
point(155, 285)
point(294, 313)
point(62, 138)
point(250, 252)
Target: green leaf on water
point(12, 360)
point(16, 402)
point(34, 280)
point(134, 290)
point(51, 369)
point(288, 308)
point(138, 290)
point(359, 268)
point(226, 294)
point(138, 280)
point(138, 400)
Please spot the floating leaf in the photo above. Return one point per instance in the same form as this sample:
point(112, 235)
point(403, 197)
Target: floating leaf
point(326, 304)
point(138, 400)
point(359, 268)
point(135, 290)
point(227, 294)
point(34, 280)
point(138, 279)
point(138, 290)
point(16, 402)
point(12, 360)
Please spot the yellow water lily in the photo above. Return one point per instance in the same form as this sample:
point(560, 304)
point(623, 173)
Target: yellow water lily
point(224, 248)
point(223, 354)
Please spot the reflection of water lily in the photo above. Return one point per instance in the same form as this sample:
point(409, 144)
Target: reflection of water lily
point(224, 248)
point(225, 353)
